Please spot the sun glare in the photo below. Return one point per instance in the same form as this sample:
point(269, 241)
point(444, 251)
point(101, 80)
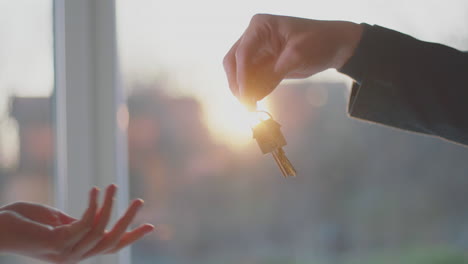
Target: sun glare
point(231, 123)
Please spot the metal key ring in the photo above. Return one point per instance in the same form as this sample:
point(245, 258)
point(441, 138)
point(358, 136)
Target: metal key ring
point(263, 111)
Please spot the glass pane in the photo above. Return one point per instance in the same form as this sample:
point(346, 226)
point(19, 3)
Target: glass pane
point(364, 193)
point(26, 123)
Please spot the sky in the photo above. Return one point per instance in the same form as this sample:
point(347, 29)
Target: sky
point(185, 41)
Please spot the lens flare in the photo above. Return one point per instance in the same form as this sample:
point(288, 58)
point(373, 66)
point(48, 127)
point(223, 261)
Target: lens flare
point(231, 123)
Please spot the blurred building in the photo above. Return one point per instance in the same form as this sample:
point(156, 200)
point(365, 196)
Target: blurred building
point(361, 189)
point(32, 179)
point(33, 117)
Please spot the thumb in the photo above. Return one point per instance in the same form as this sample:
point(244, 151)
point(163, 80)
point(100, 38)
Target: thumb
point(245, 54)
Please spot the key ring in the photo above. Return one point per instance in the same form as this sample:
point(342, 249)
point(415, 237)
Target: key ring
point(259, 120)
point(263, 111)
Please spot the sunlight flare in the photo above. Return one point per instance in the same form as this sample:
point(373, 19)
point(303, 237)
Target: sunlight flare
point(231, 123)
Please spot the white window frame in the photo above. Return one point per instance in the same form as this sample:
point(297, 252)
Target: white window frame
point(91, 146)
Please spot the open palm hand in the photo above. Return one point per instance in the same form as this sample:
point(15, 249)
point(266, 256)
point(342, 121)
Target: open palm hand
point(48, 234)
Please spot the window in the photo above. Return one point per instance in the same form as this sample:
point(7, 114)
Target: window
point(62, 120)
point(363, 193)
point(26, 122)
point(169, 131)
point(90, 112)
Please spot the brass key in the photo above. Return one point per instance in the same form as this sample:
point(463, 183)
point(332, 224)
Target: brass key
point(271, 140)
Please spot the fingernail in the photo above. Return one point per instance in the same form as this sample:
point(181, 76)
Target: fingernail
point(150, 226)
point(139, 202)
point(112, 188)
point(94, 190)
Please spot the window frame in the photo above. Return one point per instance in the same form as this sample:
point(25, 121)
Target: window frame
point(90, 110)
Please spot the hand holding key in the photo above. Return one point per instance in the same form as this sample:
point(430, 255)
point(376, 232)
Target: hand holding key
point(273, 48)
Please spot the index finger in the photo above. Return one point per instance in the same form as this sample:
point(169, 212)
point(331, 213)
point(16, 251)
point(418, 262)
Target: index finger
point(75, 231)
point(105, 213)
point(97, 232)
point(112, 238)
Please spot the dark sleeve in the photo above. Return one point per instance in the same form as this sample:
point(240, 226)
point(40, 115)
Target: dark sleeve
point(410, 84)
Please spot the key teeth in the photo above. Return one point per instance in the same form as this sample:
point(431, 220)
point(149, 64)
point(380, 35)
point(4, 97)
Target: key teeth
point(278, 162)
point(290, 171)
point(288, 167)
point(283, 162)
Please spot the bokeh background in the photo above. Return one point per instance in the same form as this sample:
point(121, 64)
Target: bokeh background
point(364, 193)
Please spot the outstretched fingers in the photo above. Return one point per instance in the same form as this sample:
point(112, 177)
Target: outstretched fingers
point(75, 231)
point(87, 237)
point(111, 239)
point(132, 236)
point(98, 230)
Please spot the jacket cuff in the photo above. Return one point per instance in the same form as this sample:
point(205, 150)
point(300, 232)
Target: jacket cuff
point(374, 67)
point(355, 66)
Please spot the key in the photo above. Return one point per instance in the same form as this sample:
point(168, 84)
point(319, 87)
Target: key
point(271, 140)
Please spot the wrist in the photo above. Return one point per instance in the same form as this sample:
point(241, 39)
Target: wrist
point(6, 219)
point(349, 35)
